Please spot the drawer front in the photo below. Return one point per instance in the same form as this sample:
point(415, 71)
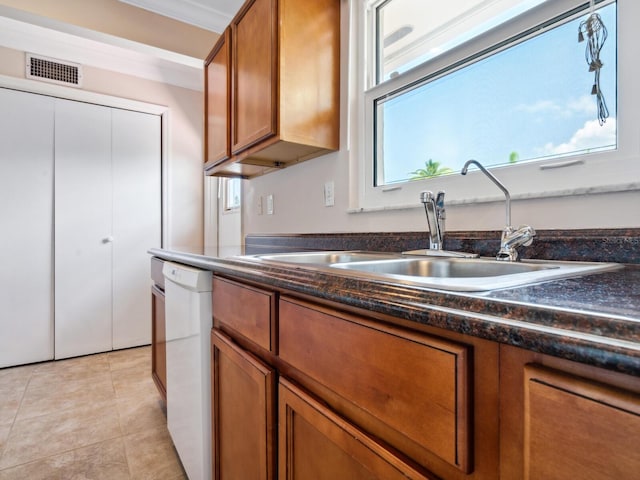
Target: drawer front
point(416, 385)
point(577, 428)
point(246, 310)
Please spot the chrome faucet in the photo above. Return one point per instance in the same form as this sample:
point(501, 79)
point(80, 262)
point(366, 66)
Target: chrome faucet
point(434, 208)
point(512, 237)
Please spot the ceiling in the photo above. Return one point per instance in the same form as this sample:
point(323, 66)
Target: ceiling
point(212, 15)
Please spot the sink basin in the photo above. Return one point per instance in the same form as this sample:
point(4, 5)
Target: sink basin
point(444, 273)
point(328, 258)
point(445, 268)
point(472, 274)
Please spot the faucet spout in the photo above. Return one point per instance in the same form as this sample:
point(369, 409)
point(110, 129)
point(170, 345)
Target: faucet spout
point(434, 208)
point(512, 238)
point(494, 180)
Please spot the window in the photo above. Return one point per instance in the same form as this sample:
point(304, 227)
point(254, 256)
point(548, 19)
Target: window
point(504, 82)
point(232, 193)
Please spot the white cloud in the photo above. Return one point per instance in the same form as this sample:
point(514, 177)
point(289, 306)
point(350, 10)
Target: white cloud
point(591, 136)
point(584, 104)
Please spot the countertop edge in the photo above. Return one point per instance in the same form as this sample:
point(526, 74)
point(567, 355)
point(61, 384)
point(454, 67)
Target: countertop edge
point(507, 322)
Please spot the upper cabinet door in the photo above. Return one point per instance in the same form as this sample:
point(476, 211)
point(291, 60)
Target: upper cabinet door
point(217, 101)
point(254, 74)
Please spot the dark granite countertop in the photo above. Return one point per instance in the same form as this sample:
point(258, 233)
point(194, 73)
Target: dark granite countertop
point(593, 319)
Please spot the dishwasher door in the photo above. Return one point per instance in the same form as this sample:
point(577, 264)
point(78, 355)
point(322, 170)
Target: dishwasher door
point(188, 327)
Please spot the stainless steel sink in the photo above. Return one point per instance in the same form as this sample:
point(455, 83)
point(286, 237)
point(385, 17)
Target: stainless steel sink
point(456, 274)
point(472, 274)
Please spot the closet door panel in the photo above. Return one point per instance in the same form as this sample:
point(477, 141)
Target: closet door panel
point(136, 160)
point(26, 211)
point(83, 229)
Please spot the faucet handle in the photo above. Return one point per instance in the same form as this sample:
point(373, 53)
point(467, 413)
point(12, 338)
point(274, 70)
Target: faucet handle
point(426, 196)
point(440, 204)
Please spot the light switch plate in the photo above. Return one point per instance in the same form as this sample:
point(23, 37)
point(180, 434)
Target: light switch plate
point(270, 204)
point(329, 199)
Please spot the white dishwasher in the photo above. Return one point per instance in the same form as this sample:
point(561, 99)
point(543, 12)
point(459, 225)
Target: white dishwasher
point(188, 327)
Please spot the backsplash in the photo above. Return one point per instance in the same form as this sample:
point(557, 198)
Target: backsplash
point(610, 245)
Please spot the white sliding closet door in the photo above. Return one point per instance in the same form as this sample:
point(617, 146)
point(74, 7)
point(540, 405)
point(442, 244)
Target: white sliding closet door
point(136, 222)
point(26, 209)
point(83, 229)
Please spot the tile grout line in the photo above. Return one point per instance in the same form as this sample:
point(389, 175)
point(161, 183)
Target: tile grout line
point(15, 415)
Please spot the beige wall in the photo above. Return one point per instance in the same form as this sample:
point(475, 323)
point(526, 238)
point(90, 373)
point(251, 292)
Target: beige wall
point(184, 193)
point(121, 20)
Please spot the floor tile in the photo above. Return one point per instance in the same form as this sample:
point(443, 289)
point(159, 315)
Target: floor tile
point(133, 357)
point(151, 455)
point(93, 417)
point(38, 437)
point(101, 461)
point(10, 399)
point(16, 377)
point(55, 373)
point(44, 397)
point(139, 412)
point(133, 380)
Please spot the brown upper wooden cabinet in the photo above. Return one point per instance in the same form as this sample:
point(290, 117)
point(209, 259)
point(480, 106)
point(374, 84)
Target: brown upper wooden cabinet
point(282, 83)
point(217, 101)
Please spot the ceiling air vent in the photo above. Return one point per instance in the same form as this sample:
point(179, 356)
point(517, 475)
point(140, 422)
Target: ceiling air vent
point(54, 71)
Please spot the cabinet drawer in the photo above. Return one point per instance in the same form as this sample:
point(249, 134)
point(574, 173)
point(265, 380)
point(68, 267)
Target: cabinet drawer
point(412, 387)
point(577, 428)
point(246, 310)
point(316, 443)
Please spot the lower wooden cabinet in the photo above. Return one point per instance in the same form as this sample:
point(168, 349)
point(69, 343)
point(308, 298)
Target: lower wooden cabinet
point(577, 428)
point(564, 420)
point(243, 413)
point(303, 390)
point(315, 443)
point(158, 341)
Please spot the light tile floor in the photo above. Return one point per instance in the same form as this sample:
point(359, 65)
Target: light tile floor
point(94, 417)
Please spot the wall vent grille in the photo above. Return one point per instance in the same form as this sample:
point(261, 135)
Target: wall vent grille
point(54, 71)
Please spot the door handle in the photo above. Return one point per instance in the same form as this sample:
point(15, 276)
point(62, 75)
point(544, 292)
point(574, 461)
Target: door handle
point(108, 239)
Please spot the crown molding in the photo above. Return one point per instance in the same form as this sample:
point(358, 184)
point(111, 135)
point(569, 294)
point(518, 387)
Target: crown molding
point(34, 34)
point(192, 12)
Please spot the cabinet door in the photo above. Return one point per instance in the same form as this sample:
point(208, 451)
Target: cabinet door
point(316, 443)
point(254, 73)
point(576, 428)
point(83, 229)
point(217, 101)
point(26, 219)
point(243, 413)
point(158, 341)
point(136, 154)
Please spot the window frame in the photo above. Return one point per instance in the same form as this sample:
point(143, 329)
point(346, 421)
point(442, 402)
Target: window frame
point(566, 176)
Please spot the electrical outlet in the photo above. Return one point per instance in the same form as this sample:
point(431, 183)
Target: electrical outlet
point(270, 204)
point(329, 199)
